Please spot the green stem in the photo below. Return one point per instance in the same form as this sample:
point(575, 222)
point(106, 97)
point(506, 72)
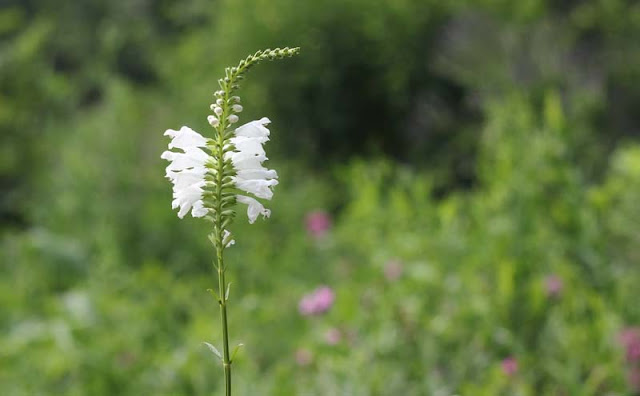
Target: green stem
point(226, 362)
point(228, 85)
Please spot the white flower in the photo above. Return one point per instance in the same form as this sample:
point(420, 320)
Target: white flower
point(247, 159)
point(187, 170)
point(254, 209)
point(185, 138)
point(254, 128)
point(258, 187)
point(226, 239)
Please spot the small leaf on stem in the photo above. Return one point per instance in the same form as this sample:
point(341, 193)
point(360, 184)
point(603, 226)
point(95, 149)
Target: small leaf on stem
point(226, 294)
point(214, 350)
point(215, 295)
point(235, 350)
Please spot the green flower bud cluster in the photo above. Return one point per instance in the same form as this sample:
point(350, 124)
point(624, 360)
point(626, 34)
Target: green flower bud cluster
point(229, 84)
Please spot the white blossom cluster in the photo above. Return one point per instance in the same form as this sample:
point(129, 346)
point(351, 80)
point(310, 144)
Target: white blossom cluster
point(188, 169)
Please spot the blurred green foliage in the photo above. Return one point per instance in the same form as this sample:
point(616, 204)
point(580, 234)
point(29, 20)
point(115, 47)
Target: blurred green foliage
point(467, 151)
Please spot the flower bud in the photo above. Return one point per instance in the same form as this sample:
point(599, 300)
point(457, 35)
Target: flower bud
point(219, 102)
point(233, 118)
point(236, 108)
point(213, 121)
point(218, 110)
point(235, 99)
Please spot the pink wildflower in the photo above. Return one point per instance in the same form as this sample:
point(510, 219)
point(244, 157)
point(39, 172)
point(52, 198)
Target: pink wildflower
point(630, 340)
point(318, 223)
point(304, 357)
point(317, 302)
point(333, 336)
point(509, 366)
point(393, 270)
point(553, 285)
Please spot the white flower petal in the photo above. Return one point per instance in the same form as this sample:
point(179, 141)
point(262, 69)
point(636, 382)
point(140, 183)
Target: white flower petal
point(254, 128)
point(249, 145)
point(192, 157)
point(186, 198)
point(254, 208)
point(187, 177)
point(226, 240)
point(259, 188)
point(185, 138)
point(198, 209)
point(246, 161)
point(257, 173)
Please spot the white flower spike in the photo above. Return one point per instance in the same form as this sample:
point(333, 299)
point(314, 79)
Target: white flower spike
point(210, 176)
point(187, 169)
point(199, 167)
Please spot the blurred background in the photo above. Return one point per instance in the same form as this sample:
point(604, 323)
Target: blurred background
point(458, 209)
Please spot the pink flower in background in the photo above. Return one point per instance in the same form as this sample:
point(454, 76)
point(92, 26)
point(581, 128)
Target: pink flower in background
point(630, 340)
point(317, 302)
point(509, 366)
point(304, 357)
point(393, 270)
point(553, 285)
point(333, 336)
point(318, 223)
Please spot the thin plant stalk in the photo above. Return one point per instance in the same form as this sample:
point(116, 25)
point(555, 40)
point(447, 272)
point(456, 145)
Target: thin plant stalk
point(226, 361)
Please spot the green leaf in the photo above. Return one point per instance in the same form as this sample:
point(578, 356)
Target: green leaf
point(214, 350)
point(215, 294)
point(235, 350)
point(226, 294)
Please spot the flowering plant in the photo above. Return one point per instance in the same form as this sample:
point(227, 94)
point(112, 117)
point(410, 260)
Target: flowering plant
point(211, 175)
